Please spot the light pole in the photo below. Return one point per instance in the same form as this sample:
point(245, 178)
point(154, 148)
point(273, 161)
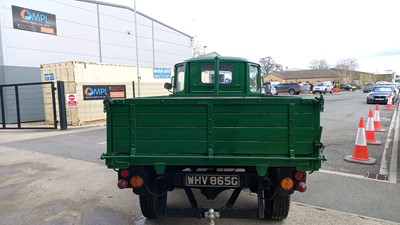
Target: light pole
point(204, 49)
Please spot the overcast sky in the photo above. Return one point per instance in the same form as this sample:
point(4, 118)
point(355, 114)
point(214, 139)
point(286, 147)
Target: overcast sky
point(292, 32)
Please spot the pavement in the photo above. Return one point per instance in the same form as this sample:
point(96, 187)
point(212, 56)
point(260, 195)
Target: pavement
point(37, 188)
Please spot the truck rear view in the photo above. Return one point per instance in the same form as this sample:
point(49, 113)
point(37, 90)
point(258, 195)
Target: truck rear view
point(214, 134)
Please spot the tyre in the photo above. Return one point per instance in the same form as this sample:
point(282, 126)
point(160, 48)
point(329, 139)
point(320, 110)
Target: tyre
point(278, 207)
point(150, 205)
point(291, 92)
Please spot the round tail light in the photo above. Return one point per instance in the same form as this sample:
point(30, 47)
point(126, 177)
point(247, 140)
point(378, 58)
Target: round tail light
point(124, 172)
point(122, 184)
point(136, 181)
point(299, 175)
point(301, 187)
point(287, 183)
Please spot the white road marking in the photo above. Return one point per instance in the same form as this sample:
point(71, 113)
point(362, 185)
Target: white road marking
point(395, 149)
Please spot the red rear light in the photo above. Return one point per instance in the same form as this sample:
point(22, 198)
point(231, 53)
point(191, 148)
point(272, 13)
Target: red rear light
point(124, 172)
point(122, 184)
point(299, 175)
point(301, 187)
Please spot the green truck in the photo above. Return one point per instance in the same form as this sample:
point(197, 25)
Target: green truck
point(214, 135)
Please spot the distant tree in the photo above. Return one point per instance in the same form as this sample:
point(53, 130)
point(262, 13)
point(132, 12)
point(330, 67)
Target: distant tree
point(346, 69)
point(319, 64)
point(269, 65)
point(197, 48)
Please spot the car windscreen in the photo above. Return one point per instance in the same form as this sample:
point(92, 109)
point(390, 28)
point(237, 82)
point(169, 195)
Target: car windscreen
point(382, 89)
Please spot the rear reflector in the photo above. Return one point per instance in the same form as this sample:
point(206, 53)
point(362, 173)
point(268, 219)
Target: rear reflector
point(301, 187)
point(122, 184)
point(287, 183)
point(136, 181)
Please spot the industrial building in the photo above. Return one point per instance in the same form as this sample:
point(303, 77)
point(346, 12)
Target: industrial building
point(35, 33)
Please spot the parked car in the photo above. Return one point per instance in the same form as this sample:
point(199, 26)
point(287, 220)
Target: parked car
point(269, 89)
point(292, 88)
point(367, 87)
point(307, 88)
point(380, 94)
point(274, 83)
point(397, 82)
point(323, 87)
point(347, 87)
point(389, 84)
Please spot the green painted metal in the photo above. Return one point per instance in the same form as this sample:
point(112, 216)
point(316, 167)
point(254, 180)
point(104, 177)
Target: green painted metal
point(160, 167)
point(215, 125)
point(261, 169)
point(230, 131)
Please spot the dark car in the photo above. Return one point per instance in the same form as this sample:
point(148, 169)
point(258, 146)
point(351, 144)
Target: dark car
point(291, 88)
point(367, 87)
point(380, 94)
point(347, 87)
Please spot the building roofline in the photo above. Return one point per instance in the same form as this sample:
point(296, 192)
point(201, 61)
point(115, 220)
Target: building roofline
point(133, 10)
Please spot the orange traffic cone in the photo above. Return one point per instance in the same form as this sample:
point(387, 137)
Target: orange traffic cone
point(377, 120)
point(389, 104)
point(370, 131)
point(360, 153)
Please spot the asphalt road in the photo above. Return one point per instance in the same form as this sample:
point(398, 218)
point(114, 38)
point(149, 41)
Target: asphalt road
point(340, 120)
point(56, 177)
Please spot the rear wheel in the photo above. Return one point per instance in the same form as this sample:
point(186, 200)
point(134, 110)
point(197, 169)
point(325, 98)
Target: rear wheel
point(278, 207)
point(150, 204)
point(291, 92)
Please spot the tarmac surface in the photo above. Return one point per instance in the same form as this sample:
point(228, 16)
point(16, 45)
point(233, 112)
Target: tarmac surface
point(40, 188)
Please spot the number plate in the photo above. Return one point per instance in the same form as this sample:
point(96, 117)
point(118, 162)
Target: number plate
point(379, 99)
point(205, 180)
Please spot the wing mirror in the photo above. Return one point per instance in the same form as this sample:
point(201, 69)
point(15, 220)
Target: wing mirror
point(168, 86)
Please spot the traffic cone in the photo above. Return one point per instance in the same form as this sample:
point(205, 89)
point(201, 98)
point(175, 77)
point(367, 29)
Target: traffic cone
point(377, 120)
point(389, 104)
point(370, 131)
point(360, 153)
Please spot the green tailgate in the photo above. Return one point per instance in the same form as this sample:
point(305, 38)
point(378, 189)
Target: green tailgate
point(231, 131)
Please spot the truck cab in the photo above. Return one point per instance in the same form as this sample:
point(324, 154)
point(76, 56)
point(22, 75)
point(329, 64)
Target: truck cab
point(196, 77)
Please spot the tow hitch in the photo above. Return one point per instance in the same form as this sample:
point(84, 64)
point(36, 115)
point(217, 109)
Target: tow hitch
point(212, 216)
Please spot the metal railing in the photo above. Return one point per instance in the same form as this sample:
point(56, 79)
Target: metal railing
point(7, 109)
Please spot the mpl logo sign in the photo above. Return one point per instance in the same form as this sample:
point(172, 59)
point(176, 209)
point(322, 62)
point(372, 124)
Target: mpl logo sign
point(33, 20)
point(26, 14)
point(95, 92)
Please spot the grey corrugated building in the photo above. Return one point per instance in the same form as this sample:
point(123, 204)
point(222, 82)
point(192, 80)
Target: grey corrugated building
point(48, 31)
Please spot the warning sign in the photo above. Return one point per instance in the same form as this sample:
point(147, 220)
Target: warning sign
point(71, 99)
